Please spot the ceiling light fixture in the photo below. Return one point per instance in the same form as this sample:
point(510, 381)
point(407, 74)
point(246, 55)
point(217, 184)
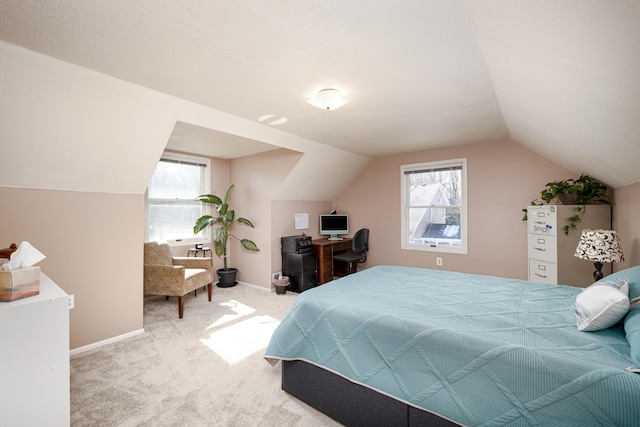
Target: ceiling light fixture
point(328, 99)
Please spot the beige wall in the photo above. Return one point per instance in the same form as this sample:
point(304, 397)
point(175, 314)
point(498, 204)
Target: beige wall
point(256, 178)
point(626, 221)
point(93, 244)
point(503, 177)
point(282, 224)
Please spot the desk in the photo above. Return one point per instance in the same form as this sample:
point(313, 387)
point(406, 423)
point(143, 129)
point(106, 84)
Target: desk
point(324, 249)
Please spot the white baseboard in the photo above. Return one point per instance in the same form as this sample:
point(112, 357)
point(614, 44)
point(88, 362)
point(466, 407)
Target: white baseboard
point(102, 343)
point(262, 288)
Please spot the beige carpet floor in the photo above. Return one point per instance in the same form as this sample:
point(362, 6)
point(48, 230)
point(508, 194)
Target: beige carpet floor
point(203, 370)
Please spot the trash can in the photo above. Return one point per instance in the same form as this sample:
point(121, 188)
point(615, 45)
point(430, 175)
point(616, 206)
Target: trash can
point(281, 285)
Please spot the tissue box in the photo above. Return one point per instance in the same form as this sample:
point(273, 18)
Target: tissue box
point(20, 283)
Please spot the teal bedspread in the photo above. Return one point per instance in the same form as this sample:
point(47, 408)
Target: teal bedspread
point(478, 350)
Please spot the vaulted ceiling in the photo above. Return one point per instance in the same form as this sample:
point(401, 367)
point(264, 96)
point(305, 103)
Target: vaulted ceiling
point(560, 77)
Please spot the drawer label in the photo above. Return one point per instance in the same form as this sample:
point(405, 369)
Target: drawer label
point(541, 227)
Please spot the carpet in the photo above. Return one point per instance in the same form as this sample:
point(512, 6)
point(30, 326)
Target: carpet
point(203, 370)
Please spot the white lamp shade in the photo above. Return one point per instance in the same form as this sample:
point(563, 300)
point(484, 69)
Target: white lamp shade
point(599, 246)
point(328, 99)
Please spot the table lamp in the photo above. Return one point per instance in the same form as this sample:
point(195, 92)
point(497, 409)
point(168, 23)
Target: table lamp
point(599, 246)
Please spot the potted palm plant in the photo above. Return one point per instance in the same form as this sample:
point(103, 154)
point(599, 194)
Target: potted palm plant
point(222, 232)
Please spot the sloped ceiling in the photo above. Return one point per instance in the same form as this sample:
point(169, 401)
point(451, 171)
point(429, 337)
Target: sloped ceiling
point(562, 78)
point(190, 138)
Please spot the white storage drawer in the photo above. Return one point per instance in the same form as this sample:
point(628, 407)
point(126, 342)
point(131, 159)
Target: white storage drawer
point(542, 220)
point(551, 251)
point(543, 247)
point(542, 271)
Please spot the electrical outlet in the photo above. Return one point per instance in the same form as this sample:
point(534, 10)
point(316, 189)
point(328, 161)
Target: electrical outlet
point(72, 302)
point(439, 261)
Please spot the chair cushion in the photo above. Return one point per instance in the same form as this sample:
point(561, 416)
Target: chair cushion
point(196, 278)
point(347, 257)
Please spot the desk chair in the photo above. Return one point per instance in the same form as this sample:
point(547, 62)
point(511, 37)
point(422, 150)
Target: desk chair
point(358, 253)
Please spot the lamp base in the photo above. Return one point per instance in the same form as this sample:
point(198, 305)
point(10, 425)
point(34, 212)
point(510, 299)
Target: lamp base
point(597, 275)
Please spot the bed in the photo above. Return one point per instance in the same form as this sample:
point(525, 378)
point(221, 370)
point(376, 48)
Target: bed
point(409, 346)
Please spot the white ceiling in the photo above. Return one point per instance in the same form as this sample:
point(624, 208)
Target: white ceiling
point(560, 77)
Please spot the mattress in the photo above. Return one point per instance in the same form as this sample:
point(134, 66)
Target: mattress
point(477, 350)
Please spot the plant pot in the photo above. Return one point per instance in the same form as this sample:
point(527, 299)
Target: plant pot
point(568, 198)
point(281, 285)
point(227, 278)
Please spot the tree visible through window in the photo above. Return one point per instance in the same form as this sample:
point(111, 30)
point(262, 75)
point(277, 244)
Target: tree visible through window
point(434, 206)
point(172, 207)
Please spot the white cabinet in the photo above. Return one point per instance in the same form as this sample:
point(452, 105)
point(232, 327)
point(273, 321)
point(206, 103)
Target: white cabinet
point(551, 251)
point(34, 357)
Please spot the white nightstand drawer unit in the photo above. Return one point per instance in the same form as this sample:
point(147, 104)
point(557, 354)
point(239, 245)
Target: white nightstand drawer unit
point(551, 251)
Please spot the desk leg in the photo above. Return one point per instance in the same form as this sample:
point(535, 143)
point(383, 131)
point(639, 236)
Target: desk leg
point(324, 256)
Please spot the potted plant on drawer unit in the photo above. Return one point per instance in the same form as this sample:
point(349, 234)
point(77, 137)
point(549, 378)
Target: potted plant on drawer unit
point(582, 191)
point(221, 225)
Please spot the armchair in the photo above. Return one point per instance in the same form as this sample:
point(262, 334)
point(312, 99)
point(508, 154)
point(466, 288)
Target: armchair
point(167, 275)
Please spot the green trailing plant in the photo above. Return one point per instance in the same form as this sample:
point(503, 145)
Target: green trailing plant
point(582, 191)
point(224, 220)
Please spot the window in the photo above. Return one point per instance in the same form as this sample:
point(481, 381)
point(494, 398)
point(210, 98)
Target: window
point(434, 211)
point(172, 210)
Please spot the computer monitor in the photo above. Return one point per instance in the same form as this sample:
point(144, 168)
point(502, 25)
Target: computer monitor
point(334, 225)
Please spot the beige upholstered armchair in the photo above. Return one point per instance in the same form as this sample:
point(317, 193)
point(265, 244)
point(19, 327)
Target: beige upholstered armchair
point(167, 275)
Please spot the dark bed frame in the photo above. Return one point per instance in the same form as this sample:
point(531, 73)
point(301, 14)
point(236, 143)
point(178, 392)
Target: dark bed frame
point(349, 403)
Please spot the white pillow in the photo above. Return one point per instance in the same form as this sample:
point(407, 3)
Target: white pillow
point(602, 304)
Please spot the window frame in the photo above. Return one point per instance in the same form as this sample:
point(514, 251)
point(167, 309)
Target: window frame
point(405, 233)
point(204, 236)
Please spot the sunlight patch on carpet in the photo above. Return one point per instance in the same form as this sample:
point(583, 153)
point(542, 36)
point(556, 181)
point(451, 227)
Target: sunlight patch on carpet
point(236, 342)
point(238, 308)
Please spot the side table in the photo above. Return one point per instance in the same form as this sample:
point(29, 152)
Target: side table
point(204, 251)
point(195, 251)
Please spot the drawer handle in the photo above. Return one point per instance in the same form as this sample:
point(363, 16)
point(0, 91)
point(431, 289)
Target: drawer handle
point(540, 275)
point(540, 249)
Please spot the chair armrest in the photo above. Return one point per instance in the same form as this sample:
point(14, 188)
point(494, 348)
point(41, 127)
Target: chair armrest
point(164, 270)
point(163, 280)
point(193, 262)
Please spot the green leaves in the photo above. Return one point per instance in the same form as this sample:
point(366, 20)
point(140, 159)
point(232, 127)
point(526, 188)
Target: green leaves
point(209, 198)
point(245, 221)
point(226, 218)
point(585, 190)
point(220, 252)
point(248, 244)
point(202, 223)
